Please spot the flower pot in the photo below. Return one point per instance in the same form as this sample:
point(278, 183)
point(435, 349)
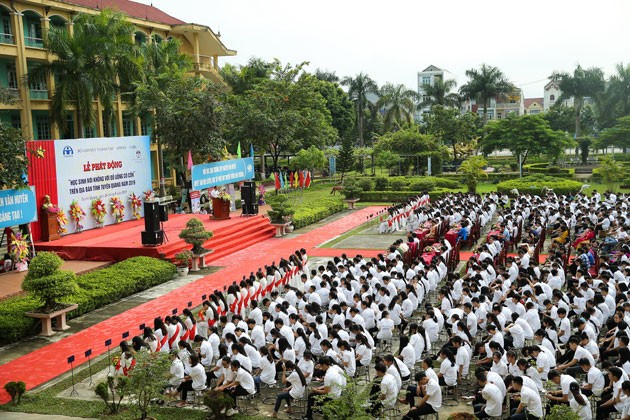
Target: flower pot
point(182, 271)
point(290, 228)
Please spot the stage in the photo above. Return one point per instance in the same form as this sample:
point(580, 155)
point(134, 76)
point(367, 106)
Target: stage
point(121, 241)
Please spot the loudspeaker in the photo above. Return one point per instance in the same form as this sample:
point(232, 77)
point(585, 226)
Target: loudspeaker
point(151, 216)
point(163, 213)
point(248, 192)
point(250, 209)
point(152, 238)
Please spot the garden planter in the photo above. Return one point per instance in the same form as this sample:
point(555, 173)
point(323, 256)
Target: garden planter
point(60, 319)
point(220, 209)
point(281, 228)
point(199, 260)
point(182, 271)
point(351, 202)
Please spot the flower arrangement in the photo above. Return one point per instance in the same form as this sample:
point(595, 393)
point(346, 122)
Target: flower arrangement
point(62, 219)
point(118, 209)
point(136, 203)
point(149, 195)
point(98, 211)
point(77, 214)
point(19, 247)
point(48, 206)
point(223, 195)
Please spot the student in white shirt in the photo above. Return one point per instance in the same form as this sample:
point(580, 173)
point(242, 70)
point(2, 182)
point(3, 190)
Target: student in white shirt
point(194, 381)
point(530, 406)
point(296, 386)
point(493, 396)
point(448, 368)
point(579, 403)
point(334, 383)
point(431, 398)
point(242, 385)
point(384, 391)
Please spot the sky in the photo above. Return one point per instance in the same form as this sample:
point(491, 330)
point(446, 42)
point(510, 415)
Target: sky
point(392, 40)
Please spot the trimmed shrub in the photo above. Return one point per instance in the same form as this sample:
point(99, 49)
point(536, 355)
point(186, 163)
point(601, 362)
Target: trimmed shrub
point(534, 184)
point(304, 217)
point(445, 183)
point(424, 184)
point(398, 183)
point(544, 168)
point(381, 184)
point(366, 184)
point(397, 196)
point(46, 282)
point(96, 289)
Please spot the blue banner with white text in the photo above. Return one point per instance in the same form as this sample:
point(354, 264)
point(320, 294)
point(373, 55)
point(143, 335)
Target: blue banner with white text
point(220, 173)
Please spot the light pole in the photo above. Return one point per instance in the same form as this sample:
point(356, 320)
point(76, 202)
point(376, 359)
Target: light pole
point(520, 165)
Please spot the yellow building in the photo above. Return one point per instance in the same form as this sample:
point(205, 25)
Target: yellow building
point(23, 24)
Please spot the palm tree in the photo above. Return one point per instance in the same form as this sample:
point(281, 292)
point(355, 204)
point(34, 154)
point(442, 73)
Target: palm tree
point(358, 88)
point(580, 84)
point(439, 93)
point(619, 88)
point(327, 76)
point(89, 65)
point(484, 84)
point(399, 104)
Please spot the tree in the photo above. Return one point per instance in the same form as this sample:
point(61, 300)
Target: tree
point(611, 171)
point(561, 118)
point(91, 64)
point(338, 104)
point(147, 379)
point(578, 85)
point(472, 169)
point(452, 127)
point(282, 114)
point(189, 116)
point(619, 88)
point(345, 161)
point(524, 136)
point(358, 89)
point(46, 282)
point(13, 162)
point(485, 84)
point(618, 135)
point(439, 93)
point(244, 78)
point(311, 158)
point(387, 159)
point(399, 104)
point(327, 76)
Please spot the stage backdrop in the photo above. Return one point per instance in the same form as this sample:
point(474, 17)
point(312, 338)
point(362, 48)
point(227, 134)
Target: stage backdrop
point(90, 169)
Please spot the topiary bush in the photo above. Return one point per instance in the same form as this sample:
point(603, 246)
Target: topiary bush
point(534, 184)
point(366, 184)
point(381, 183)
point(195, 234)
point(398, 183)
point(15, 389)
point(423, 184)
point(47, 283)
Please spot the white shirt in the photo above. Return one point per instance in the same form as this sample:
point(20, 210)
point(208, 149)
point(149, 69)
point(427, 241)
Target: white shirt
point(389, 389)
point(268, 371)
point(494, 399)
point(531, 401)
point(198, 375)
point(434, 392)
point(245, 380)
point(335, 380)
point(449, 372)
point(297, 389)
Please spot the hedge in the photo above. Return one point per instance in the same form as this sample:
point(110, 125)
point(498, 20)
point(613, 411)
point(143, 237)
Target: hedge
point(316, 211)
point(397, 196)
point(96, 289)
point(544, 168)
point(535, 183)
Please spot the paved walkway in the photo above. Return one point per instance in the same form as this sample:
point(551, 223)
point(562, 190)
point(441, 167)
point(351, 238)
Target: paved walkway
point(51, 359)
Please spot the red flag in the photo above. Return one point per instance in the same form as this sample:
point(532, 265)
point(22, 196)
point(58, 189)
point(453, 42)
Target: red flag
point(190, 161)
point(301, 177)
point(307, 182)
point(275, 175)
point(291, 179)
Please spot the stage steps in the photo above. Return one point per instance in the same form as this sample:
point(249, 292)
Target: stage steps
point(226, 240)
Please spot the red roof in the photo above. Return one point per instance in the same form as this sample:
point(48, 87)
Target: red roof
point(131, 8)
point(529, 101)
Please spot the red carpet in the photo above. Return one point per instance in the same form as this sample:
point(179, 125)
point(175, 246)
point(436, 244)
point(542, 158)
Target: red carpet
point(121, 241)
point(51, 360)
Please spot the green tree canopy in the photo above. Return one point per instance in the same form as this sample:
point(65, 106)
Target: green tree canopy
point(338, 104)
point(484, 84)
point(311, 158)
point(345, 160)
point(408, 142)
point(439, 93)
point(13, 161)
point(526, 135)
point(618, 135)
point(244, 78)
point(399, 104)
point(451, 127)
point(358, 88)
point(578, 85)
point(472, 169)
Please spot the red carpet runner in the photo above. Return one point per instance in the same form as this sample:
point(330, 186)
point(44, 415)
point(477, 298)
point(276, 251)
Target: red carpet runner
point(51, 360)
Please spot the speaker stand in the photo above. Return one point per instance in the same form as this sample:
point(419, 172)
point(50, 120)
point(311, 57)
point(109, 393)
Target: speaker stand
point(165, 236)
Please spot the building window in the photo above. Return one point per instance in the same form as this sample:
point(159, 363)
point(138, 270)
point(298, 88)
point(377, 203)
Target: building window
point(90, 132)
point(68, 133)
point(498, 115)
point(15, 121)
point(6, 35)
point(552, 97)
point(12, 80)
point(426, 80)
point(42, 123)
point(534, 111)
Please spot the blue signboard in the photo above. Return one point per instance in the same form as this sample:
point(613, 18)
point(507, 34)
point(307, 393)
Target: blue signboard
point(17, 207)
point(220, 173)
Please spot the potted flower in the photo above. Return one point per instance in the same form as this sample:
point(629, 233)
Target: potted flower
point(149, 195)
point(351, 191)
point(62, 220)
point(19, 251)
point(280, 213)
point(182, 261)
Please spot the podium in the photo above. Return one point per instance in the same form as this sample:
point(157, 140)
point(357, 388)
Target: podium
point(50, 227)
point(220, 209)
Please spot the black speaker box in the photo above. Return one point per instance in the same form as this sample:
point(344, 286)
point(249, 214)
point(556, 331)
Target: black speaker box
point(250, 209)
point(163, 213)
point(151, 217)
point(152, 238)
point(248, 192)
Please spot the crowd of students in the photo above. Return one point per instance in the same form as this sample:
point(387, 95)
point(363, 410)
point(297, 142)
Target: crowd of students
point(519, 323)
